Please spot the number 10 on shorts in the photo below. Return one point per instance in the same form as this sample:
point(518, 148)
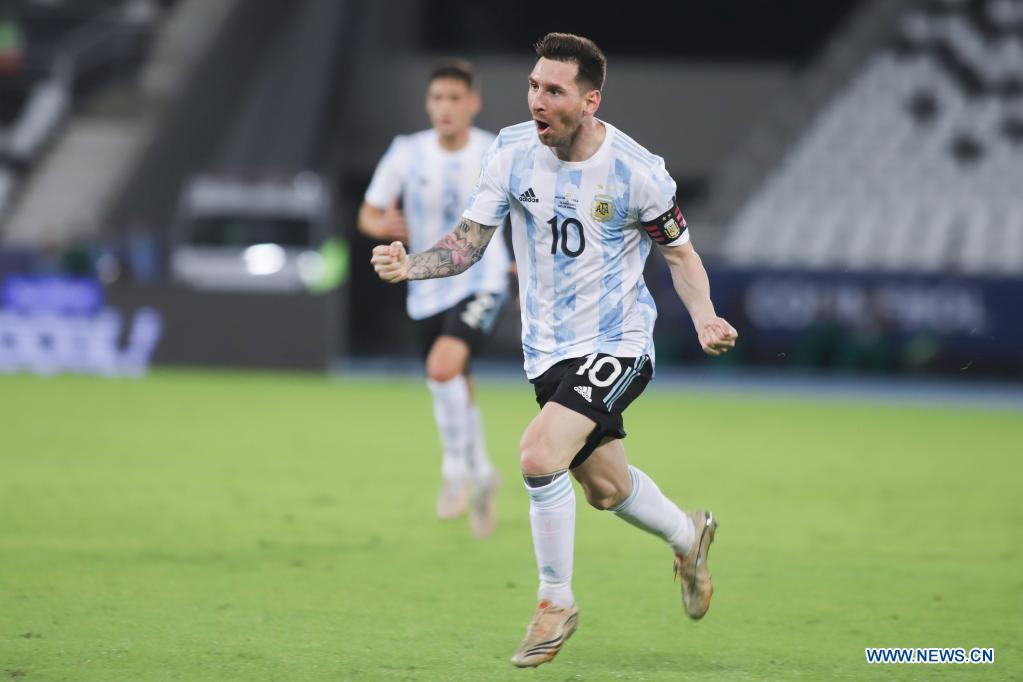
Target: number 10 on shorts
point(595, 366)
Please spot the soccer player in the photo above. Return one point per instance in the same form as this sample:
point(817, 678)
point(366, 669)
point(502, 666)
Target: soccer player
point(433, 173)
point(587, 204)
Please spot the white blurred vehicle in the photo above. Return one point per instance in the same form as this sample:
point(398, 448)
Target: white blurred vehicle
point(241, 235)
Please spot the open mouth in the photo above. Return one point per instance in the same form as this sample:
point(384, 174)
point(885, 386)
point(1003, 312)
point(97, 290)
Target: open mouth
point(541, 126)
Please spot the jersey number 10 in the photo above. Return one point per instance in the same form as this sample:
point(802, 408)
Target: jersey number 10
point(563, 234)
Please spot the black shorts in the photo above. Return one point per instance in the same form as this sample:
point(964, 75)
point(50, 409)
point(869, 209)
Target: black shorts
point(472, 320)
point(598, 386)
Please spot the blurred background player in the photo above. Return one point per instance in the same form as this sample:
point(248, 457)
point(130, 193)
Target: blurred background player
point(432, 174)
point(587, 317)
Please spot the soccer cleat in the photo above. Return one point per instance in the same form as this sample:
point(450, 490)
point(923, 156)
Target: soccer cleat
point(452, 500)
point(483, 508)
point(692, 567)
point(550, 628)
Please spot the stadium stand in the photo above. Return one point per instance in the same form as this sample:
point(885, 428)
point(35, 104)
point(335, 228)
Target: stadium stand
point(62, 53)
point(914, 166)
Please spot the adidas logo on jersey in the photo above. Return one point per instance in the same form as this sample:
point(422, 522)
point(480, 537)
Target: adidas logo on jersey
point(586, 392)
point(529, 197)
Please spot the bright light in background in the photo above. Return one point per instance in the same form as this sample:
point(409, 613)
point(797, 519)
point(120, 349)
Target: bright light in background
point(311, 266)
point(263, 259)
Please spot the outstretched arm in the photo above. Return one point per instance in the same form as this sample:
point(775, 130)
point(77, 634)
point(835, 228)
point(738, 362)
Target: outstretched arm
point(693, 287)
point(452, 255)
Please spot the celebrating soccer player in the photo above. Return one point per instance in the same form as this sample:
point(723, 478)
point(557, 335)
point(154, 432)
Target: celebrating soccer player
point(587, 203)
point(433, 173)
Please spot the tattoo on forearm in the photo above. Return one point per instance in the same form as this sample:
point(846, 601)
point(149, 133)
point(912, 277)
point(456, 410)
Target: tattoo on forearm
point(453, 254)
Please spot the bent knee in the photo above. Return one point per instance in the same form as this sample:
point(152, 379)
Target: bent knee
point(448, 358)
point(536, 456)
point(442, 369)
point(534, 460)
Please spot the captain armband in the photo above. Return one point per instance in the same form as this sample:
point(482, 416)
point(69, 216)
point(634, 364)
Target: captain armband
point(667, 227)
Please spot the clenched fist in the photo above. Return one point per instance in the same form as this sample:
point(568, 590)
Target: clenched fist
point(390, 262)
point(717, 336)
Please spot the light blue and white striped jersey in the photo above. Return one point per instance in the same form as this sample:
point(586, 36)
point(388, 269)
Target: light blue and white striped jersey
point(434, 185)
point(578, 241)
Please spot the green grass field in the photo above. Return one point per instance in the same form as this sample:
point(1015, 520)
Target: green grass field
point(278, 527)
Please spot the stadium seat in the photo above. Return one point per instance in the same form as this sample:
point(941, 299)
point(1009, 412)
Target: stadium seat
point(915, 165)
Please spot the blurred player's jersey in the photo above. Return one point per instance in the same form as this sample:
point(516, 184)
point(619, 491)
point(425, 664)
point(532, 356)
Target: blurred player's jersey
point(434, 186)
point(578, 241)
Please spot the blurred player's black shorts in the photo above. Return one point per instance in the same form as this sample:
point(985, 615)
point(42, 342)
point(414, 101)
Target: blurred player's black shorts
point(472, 320)
point(598, 386)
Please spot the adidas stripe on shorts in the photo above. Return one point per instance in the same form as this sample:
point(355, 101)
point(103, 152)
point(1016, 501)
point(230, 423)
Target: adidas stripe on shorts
point(598, 386)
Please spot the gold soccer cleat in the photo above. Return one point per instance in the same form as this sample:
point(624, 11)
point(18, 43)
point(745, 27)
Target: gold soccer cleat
point(696, 586)
point(550, 628)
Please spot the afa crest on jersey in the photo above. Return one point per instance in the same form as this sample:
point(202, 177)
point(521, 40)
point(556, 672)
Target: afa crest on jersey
point(603, 208)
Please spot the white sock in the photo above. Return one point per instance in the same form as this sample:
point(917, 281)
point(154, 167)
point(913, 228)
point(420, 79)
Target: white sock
point(646, 507)
point(552, 517)
point(481, 471)
point(451, 410)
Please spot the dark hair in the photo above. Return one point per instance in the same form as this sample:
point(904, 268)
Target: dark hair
point(459, 69)
point(567, 47)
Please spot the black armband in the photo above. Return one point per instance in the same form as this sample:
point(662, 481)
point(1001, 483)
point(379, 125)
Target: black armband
point(667, 227)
